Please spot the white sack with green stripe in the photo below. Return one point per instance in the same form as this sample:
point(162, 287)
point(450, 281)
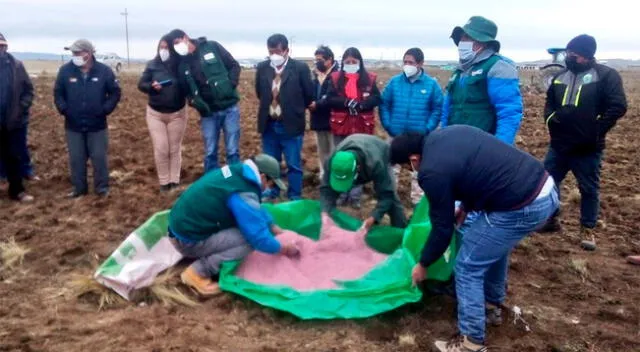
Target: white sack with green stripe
point(140, 258)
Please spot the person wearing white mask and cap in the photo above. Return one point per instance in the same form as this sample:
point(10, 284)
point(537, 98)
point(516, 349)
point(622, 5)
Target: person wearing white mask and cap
point(85, 93)
point(166, 113)
point(285, 90)
point(211, 74)
point(484, 90)
point(411, 102)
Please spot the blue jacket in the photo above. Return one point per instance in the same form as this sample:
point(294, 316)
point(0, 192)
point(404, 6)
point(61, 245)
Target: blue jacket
point(503, 87)
point(86, 102)
point(254, 222)
point(411, 106)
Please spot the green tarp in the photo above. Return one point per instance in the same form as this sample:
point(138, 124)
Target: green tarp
point(384, 288)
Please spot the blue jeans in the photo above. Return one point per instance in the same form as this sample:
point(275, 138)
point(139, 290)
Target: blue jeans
point(586, 169)
point(275, 142)
point(26, 168)
point(228, 121)
point(483, 260)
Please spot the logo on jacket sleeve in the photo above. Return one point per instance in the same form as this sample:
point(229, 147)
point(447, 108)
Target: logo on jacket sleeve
point(209, 57)
point(226, 171)
point(424, 91)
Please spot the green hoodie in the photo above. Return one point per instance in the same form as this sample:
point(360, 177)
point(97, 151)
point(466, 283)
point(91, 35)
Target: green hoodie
point(372, 155)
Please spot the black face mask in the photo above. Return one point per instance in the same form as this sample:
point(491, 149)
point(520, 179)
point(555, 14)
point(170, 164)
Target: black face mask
point(320, 66)
point(574, 66)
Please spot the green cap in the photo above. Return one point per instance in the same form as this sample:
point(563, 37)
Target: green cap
point(343, 171)
point(479, 29)
point(269, 166)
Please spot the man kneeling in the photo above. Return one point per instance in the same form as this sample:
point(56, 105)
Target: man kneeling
point(513, 195)
point(219, 218)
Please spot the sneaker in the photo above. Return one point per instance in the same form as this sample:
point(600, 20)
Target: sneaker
point(165, 188)
point(460, 343)
point(202, 285)
point(552, 225)
point(588, 236)
point(633, 259)
point(32, 178)
point(103, 193)
point(24, 198)
point(494, 315)
point(76, 194)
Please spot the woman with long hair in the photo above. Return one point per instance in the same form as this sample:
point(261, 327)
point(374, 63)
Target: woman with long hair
point(352, 96)
point(166, 113)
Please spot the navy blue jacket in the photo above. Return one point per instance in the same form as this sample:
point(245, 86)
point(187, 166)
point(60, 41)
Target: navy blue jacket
point(16, 93)
point(86, 103)
point(486, 174)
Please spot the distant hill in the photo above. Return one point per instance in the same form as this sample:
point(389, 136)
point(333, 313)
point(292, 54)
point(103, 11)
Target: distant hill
point(39, 56)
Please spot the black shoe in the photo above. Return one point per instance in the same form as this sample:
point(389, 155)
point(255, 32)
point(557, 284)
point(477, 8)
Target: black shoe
point(166, 188)
point(552, 225)
point(76, 194)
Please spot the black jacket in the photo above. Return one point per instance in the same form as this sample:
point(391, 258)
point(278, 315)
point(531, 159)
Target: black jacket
point(464, 163)
point(582, 108)
point(170, 98)
point(86, 103)
point(296, 94)
point(16, 93)
point(322, 114)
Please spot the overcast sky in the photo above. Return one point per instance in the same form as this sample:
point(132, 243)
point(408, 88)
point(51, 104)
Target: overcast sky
point(379, 28)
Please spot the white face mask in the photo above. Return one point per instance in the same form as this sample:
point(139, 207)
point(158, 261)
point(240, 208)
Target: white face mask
point(181, 48)
point(409, 70)
point(276, 60)
point(78, 60)
point(164, 54)
point(350, 68)
point(465, 51)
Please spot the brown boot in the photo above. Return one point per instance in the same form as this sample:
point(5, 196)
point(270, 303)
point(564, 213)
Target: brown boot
point(552, 225)
point(588, 236)
point(203, 285)
point(460, 344)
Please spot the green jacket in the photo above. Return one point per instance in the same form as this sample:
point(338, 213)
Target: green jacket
point(470, 102)
point(372, 155)
point(211, 77)
point(202, 209)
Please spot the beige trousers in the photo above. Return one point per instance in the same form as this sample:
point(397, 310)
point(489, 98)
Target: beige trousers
point(167, 132)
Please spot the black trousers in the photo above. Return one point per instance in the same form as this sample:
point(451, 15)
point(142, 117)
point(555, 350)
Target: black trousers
point(11, 155)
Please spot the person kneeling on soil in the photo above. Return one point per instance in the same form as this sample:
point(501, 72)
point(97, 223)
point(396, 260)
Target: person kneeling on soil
point(359, 159)
point(219, 218)
point(514, 196)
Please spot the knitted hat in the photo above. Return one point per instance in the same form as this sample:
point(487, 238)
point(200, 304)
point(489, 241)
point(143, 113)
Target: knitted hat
point(583, 45)
point(406, 145)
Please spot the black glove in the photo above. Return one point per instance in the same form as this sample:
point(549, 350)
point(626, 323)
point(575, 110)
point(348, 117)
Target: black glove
point(352, 105)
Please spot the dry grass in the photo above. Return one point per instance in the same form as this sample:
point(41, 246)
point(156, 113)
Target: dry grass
point(579, 266)
point(87, 288)
point(11, 254)
point(162, 290)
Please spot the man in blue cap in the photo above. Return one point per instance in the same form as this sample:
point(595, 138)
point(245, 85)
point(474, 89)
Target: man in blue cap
point(584, 102)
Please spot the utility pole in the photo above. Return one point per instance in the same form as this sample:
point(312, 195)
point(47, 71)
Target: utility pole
point(126, 26)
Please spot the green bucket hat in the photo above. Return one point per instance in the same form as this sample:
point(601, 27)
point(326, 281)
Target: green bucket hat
point(343, 171)
point(479, 29)
point(269, 166)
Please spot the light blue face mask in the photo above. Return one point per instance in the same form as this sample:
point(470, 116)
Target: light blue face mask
point(465, 51)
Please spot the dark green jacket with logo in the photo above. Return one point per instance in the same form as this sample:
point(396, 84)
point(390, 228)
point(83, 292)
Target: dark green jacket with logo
point(202, 209)
point(581, 108)
point(211, 75)
point(372, 154)
point(485, 94)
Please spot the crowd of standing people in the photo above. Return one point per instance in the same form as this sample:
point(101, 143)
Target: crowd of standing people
point(458, 142)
